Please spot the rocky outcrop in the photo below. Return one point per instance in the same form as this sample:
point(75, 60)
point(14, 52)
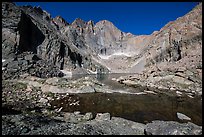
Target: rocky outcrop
point(169, 80)
point(172, 128)
point(29, 63)
point(60, 22)
point(33, 124)
point(37, 125)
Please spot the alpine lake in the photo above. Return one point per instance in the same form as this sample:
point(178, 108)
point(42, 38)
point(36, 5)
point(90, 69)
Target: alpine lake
point(142, 108)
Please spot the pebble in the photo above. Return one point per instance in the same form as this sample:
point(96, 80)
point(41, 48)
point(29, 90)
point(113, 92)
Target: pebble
point(59, 109)
point(43, 100)
point(25, 129)
point(49, 98)
point(151, 92)
point(114, 79)
point(76, 112)
point(172, 88)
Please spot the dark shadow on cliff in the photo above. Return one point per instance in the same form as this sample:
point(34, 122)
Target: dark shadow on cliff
point(30, 36)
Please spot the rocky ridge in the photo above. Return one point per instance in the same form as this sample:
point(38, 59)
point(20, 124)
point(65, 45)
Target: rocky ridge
point(90, 48)
point(32, 30)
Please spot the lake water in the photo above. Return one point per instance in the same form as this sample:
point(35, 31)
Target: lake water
point(139, 108)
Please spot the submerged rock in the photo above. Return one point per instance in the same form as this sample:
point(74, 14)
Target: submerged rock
point(182, 116)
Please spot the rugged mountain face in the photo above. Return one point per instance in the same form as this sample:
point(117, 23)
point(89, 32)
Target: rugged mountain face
point(178, 40)
point(31, 30)
point(85, 47)
point(175, 44)
point(173, 57)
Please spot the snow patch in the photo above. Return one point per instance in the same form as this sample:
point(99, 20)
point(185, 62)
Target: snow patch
point(104, 57)
point(115, 54)
point(122, 54)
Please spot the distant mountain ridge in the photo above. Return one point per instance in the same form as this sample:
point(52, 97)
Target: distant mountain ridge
point(85, 47)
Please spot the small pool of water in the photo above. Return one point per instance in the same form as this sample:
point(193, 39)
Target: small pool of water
point(139, 108)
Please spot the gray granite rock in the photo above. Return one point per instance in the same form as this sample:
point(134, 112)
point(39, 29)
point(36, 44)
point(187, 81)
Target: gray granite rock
point(172, 128)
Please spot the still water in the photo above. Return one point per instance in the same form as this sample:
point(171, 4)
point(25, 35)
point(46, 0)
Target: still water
point(139, 108)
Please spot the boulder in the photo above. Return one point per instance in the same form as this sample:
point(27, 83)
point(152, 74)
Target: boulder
point(88, 116)
point(103, 116)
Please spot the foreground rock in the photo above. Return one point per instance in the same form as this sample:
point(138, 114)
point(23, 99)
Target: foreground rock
point(39, 125)
point(27, 109)
point(172, 128)
point(35, 124)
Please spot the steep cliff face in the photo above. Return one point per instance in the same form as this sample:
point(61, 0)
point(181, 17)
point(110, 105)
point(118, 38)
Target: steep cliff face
point(179, 41)
point(85, 47)
point(32, 30)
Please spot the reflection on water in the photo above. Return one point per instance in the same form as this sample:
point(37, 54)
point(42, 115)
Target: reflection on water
point(139, 108)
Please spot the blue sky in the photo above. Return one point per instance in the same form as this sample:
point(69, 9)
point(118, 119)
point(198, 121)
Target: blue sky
point(135, 17)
